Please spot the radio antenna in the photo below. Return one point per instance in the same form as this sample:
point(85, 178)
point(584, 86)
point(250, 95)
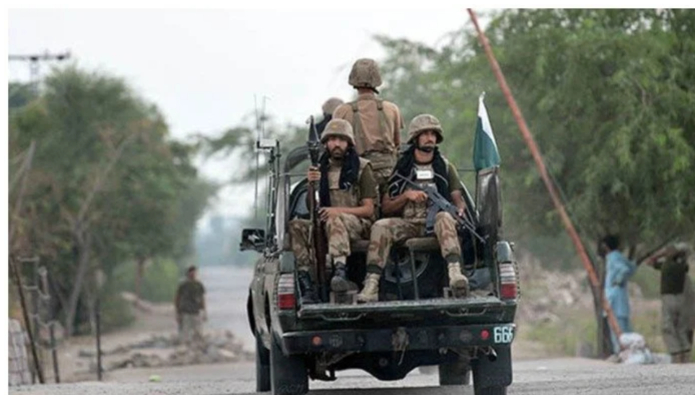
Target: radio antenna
point(257, 143)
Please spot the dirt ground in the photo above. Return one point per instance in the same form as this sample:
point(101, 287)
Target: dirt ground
point(155, 319)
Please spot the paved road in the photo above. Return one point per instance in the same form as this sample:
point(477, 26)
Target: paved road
point(557, 376)
point(226, 295)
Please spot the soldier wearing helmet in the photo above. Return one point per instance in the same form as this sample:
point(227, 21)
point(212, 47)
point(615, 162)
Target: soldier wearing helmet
point(348, 193)
point(327, 107)
point(377, 123)
point(423, 164)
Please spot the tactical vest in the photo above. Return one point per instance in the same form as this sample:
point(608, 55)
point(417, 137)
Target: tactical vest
point(340, 197)
point(360, 135)
point(425, 176)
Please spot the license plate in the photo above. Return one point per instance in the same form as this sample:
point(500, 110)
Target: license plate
point(503, 334)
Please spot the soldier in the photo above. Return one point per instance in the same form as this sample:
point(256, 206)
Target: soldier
point(347, 197)
point(422, 163)
point(376, 123)
point(190, 307)
point(328, 107)
point(674, 274)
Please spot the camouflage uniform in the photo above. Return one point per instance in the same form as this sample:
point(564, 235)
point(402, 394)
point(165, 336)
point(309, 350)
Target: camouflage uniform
point(340, 231)
point(343, 228)
point(388, 231)
point(376, 123)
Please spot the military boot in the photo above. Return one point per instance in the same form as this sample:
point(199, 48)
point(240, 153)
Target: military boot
point(458, 282)
point(308, 291)
point(370, 292)
point(339, 282)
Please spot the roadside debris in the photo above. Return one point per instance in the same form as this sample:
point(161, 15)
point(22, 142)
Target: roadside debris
point(166, 350)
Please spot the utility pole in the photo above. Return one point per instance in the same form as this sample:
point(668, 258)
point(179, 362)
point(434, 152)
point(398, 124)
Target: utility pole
point(34, 60)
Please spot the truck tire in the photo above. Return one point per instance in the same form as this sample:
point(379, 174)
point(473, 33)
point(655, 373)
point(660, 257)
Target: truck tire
point(288, 372)
point(455, 373)
point(262, 366)
point(491, 390)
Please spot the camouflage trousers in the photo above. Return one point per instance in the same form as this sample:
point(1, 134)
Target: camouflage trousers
point(340, 231)
point(388, 231)
point(675, 327)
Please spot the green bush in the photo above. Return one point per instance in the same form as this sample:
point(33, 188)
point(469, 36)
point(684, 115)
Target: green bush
point(115, 312)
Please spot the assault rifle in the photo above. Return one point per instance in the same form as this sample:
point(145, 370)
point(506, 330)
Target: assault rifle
point(319, 236)
point(437, 203)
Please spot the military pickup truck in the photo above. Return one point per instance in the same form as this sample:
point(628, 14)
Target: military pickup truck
point(416, 321)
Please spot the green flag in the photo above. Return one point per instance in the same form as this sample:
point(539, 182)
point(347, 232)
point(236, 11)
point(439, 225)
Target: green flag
point(485, 149)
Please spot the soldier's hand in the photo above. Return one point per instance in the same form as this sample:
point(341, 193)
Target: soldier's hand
point(461, 213)
point(416, 196)
point(313, 174)
point(327, 213)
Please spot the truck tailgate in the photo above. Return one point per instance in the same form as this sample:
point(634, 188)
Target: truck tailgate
point(489, 308)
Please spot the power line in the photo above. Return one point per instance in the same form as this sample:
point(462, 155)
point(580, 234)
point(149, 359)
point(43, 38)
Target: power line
point(34, 61)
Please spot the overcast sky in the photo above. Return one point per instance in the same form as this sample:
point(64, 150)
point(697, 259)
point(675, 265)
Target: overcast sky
point(203, 68)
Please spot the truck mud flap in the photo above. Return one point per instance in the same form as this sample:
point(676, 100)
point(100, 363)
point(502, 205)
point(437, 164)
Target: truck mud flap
point(490, 373)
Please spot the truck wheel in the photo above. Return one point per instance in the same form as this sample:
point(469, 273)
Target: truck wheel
point(456, 373)
point(288, 372)
point(491, 390)
point(262, 366)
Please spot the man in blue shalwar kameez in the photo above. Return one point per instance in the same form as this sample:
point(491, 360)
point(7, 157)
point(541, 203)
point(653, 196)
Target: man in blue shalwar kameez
point(618, 271)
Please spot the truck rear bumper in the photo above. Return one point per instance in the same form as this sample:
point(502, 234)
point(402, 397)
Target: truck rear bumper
point(396, 339)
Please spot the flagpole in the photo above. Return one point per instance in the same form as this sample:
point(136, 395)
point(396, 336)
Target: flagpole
point(532, 145)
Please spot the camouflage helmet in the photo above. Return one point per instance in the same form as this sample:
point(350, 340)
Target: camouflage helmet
point(365, 74)
point(339, 127)
point(330, 105)
point(422, 123)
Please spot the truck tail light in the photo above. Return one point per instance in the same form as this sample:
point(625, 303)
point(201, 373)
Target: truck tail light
point(286, 300)
point(509, 282)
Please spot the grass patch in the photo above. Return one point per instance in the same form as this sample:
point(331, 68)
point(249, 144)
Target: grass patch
point(563, 336)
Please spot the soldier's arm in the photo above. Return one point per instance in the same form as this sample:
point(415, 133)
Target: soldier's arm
point(391, 206)
point(454, 187)
point(458, 200)
point(366, 210)
point(204, 303)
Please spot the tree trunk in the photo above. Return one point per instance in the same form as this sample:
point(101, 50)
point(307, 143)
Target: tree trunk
point(84, 249)
point(140, 266)
point(604, 343)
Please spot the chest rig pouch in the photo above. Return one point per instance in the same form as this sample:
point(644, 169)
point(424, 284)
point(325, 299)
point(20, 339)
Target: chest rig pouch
point(424, 177)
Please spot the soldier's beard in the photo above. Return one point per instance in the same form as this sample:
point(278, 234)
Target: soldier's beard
point(337, 153)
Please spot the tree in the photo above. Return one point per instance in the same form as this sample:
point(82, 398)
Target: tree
point(106, 186)
point(608, 95)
